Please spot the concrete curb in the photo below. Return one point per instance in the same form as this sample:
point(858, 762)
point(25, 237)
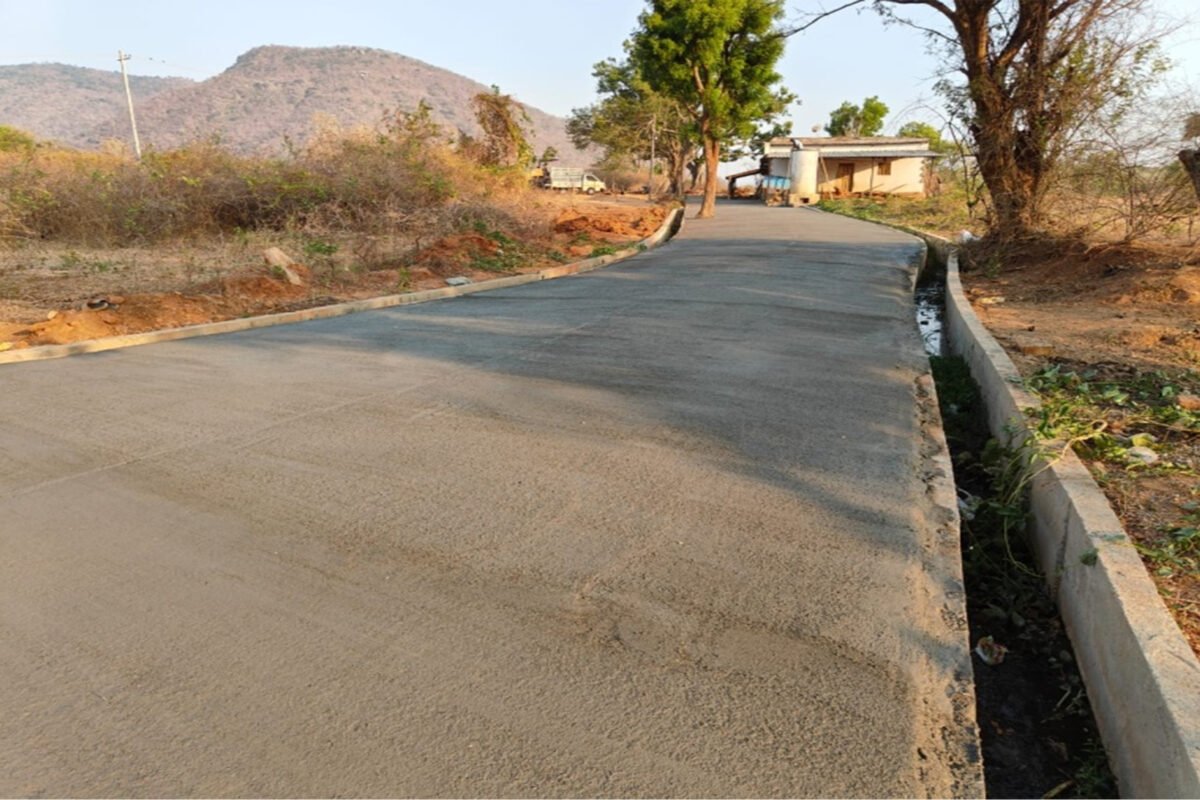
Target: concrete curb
point(669, 228)
point(1141, 675)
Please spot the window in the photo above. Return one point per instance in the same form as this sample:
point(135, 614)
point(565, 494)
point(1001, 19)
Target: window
point(885, 168)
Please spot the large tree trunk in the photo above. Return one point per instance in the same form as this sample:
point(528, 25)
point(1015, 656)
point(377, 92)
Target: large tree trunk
point(712, 156)
point(1013, 184)
point(1191, 163)
point(1012, 166)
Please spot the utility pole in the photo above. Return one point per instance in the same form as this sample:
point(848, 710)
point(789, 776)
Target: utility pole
point(653, 140)
point(137, 145)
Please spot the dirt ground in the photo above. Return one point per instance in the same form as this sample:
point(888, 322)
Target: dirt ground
point(54, 294)
point(1120, 317)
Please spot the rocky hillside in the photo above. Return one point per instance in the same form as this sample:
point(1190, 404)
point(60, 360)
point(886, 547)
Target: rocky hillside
point(63, 103)
point(269, 95)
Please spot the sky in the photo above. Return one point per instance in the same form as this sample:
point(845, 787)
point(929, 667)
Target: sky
point(541, 51)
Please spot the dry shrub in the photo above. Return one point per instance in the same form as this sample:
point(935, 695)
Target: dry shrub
point(379, 190)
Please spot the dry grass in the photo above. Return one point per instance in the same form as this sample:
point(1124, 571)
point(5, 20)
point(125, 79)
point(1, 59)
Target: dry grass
point(377, 194)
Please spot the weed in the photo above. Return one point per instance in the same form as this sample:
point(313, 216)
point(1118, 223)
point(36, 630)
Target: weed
point(318, 248)
point(602, 250)
point(69, 260)
point(1038, 735)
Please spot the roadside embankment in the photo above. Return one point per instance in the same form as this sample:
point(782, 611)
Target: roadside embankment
point(669, 228)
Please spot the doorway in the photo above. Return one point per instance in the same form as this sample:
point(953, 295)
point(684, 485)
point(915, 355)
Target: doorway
point(844, 184)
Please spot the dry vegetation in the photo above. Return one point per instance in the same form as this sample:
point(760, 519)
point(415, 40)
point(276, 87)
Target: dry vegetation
point(1103, 318)
point(178, 238)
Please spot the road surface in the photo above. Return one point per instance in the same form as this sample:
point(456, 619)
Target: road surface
point(664, 529)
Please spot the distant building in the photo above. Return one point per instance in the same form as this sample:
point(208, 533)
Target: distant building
point(808, 169)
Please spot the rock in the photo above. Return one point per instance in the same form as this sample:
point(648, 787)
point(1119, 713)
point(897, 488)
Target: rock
point(458, 280)
point(991, 301)
point(281, 261)
point(51, 315)
point(1188, 402)
point(1143, 454)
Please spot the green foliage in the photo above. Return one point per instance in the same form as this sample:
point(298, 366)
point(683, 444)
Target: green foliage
point(319, 248)
point(15, 140)
point(1104, 416)
point(632, 121)
point(717, 59)
point(946, 213)
point(851, 120)
point(923, 130)
point(1087, 409)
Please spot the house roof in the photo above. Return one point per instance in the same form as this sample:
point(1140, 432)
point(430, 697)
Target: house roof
point(880, 153)
point(872, 142)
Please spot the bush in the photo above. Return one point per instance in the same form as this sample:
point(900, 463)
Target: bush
point(404, 182)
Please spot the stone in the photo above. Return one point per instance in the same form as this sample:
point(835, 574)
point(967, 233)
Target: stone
point(1143, 454)
point(457, 280)
point(1188, 402)
point(281, 261)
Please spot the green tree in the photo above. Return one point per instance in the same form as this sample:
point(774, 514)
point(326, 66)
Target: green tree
point(851, 120)
point(717, 59)
point(923, 130)
point(632, 122)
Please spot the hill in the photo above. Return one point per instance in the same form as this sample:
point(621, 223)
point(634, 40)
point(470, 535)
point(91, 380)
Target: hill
point(63, 103)
point(270, 94)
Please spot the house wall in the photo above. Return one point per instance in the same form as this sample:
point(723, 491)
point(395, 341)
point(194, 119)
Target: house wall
point(779, 167)
point(907, 175)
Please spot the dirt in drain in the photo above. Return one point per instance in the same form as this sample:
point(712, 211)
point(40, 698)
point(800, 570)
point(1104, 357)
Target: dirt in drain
point(1038, 734)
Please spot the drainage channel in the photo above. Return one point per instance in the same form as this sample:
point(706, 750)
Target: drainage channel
point(1038, 735)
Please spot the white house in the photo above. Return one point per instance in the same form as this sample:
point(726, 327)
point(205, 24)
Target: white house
point(807, 169)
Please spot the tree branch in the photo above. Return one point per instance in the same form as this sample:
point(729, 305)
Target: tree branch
point(784, 34)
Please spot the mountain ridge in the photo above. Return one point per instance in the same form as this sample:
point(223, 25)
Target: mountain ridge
point(271, 95)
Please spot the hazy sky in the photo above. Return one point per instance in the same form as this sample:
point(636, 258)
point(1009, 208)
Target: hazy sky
point(540, 50)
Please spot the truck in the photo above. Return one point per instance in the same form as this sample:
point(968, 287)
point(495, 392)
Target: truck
point(573, 178)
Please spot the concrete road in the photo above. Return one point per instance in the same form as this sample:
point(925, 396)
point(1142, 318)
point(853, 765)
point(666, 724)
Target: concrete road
point(661, 530)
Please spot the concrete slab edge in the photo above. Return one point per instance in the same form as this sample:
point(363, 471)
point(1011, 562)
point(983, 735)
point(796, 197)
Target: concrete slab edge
point(948, 683)
point(949, 687)
point(669, 228)
point(1142, 677)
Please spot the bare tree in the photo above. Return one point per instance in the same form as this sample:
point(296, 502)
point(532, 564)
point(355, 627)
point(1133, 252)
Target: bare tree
point(1120, 170)
point(1029, 72)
